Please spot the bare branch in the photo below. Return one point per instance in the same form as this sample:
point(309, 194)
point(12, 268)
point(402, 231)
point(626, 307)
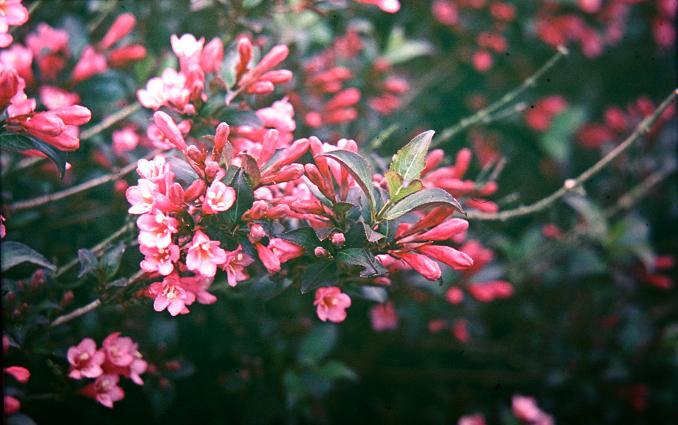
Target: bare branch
point(56, 196)
point(484, 114)
point(571, 184)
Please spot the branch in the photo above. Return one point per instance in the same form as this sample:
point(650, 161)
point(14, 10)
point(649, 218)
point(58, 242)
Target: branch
point(56, 196)
point(571, 184)
point(509, 97)
point(92, 305)
point(96, 248)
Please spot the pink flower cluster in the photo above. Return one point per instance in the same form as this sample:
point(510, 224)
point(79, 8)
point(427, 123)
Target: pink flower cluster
point(118, 356)
point(12, 13)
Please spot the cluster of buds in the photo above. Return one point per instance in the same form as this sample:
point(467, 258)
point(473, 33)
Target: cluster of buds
point(118, 356)
point(540, 115)
point(57, 126)
point(262, 77)
point(390, 88)
point(20, 374)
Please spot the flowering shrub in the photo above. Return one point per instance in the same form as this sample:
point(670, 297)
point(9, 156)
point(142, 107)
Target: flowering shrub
point(296, 223)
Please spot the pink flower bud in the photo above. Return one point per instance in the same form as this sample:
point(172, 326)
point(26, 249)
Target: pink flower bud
point(422, 264)
point(194, 191)
point(341, 115)
point(257, 232)
point(338, 239)
point(19, 373)
point(9, 84)
point(448, 255)
point(261, 87)
point(44, 123)
point(122, 26)
point(73, 115)
point(90, 63)
point(169, 129)
point(278, 76)
point(319, 251)
point(272, 59)
point(220, 140)
point(445, 231)
point(212, 55)
point(343, 99)
point(268, 258)
point(126, 54)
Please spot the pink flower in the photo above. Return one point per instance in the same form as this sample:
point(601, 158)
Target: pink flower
point(142, 197)
point(268, 258)
point(218, 198)
point(460, 330)
point(284, 249)
point(187, 48)
point(454, 295)
point(105, 390)
point(235, 264)
point(198, 286)
point(19, 373)
point(383, 317)
point(124, 140)
point(156, 229)
point(448, 255)
point(212, 55)
point(159, 260)
point(119, 350)
point(204, 255)
point(422, 264)
point(54, 97)
point(85, 360)
point(331, 304)
point(170, 295)
point(12, 12)
point(154, 170)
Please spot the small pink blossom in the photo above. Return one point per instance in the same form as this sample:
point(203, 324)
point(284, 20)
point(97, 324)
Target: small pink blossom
point(141, 197)
point(156, 229)
point(124, 140)
point(285, 250)
point(85, 360)
point(235, 264)
point(169, 294)
point(473, 419)
point(159, 260)
point(204, 255)
point(383, 317)
point(218, 198)
point(91, 63)
point(11, 404)
point(331, 304)
point(13, 13)
point(105, 390)
point(525, 408)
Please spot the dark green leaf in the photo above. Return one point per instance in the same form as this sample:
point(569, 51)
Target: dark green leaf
point(110, 262)
point(15, 253)
point(244, 197)
point(304, 237)
point(359, 168)
point(88, 262)
point(317, 274)
point(21, 142)
point(556, 141)
point(421, 199)
point(362, 258)
point(333, 370)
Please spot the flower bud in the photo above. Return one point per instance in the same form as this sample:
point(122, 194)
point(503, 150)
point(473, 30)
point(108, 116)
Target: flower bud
point(73, 115)
point(319, 251)
point(123, 25)
point(257, 232)
point(212, 55)
point(126, 54)
point(338, 239)
point(169, 129)
point(44, 123)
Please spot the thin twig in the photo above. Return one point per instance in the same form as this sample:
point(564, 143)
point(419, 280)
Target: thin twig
point(639, 191)
point(483, 114)
point(97, 248)
point(92, 305)
point(571, 184)
point(56, 196)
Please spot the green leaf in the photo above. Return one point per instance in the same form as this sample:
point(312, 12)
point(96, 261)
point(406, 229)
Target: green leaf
point(371, 234)
point(410, 160)
point(15, 253)
point(249, 165)
point(21, 142)
point(88, 262)
point(362, 258)
point(304, 237)
point(359, 168)
point(333, 370)
point(421, 199)
point(244, 197)
point(110, 262)
point(400, 49)
point(317, 274)
point(317, 344)
point(556, 141)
